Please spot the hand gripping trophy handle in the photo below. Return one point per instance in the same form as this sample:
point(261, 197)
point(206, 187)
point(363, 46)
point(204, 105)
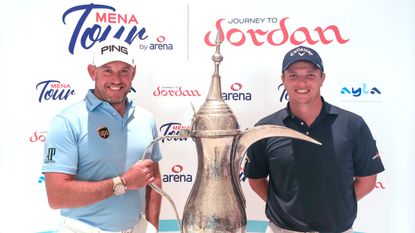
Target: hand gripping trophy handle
point(184, 133)
point(216, 203)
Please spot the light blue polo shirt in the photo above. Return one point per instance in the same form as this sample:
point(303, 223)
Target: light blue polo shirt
point(93, 142)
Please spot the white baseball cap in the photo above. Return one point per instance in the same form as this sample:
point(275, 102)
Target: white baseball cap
point(113, 50)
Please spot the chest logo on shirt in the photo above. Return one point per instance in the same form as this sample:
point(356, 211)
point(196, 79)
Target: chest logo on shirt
point(103, 132)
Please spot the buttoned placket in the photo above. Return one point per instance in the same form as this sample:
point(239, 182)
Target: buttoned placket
point(302, 126)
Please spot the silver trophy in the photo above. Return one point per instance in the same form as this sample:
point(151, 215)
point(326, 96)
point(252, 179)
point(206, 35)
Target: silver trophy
point(216, 203)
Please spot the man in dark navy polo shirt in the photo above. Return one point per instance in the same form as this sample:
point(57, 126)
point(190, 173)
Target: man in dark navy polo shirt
point(308, 187)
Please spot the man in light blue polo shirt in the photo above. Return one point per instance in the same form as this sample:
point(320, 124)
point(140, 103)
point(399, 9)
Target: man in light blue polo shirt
point(92, 158)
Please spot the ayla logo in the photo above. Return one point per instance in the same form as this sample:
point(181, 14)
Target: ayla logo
point(276, 36)
point(172, 129)
point(236, 95)
point(177, 176)
point(88, 36)
point(54, 90)
point(358, 91)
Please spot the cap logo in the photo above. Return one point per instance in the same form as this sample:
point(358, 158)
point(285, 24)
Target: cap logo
point(103, 132)
point(301, 52)
point(114, 48)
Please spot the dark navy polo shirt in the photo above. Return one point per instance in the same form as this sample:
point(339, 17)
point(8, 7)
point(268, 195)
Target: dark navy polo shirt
point(311, 186)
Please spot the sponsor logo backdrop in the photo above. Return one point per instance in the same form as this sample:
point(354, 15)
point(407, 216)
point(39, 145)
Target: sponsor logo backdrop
point(367, 48)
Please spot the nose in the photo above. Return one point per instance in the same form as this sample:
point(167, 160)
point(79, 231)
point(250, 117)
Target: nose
point(116, 78)
point(301, 79)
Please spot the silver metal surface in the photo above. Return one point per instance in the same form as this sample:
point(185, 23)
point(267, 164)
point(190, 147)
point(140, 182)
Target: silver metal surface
point(216, 203)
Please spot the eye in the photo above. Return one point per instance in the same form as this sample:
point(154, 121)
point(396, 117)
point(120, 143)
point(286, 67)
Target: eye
point(107, 70)
point(292, 76)
point(311, 76)
point(125, 71)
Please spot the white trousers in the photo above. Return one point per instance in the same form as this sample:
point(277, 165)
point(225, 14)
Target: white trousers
point(272, 228)
point(69, 225)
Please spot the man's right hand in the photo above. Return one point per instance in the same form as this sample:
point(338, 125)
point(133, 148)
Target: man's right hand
point(139, 175)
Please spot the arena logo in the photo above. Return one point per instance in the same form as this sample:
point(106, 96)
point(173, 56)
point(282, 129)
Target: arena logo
point(177, 176)
point(175, 91)
point(276, 36)
point(54, 90)
point(360, 90)
point(172, 129)
point(236, 94)
point(160, 45)
point(284, 93)
point(38, 136)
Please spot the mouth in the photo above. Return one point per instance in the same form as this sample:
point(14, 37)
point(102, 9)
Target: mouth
point(302, 91)
point(115, 88)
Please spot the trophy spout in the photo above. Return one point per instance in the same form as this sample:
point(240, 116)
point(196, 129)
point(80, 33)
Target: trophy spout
point(257, 133)
point(250, 136)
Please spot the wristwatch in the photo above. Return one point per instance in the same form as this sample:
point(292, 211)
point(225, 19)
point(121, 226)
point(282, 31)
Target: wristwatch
point(119, 187)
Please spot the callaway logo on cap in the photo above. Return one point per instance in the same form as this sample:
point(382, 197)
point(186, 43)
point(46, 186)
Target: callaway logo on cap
point(112, 51)
point(302, 53)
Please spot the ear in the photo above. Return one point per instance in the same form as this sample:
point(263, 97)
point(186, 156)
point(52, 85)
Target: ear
point(282, 78)
point(133, 74)
point(323, 77)
point(91, 71)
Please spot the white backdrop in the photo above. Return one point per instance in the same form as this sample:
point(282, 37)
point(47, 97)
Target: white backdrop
point(367, 48)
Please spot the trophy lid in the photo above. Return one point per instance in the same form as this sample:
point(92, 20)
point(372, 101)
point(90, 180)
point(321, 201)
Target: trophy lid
point(215, 118)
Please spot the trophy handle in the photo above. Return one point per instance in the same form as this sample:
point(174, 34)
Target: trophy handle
point(184, 133)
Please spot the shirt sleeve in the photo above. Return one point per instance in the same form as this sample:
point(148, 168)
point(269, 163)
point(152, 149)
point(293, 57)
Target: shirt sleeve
point(60, 148)
point(366, 155)
point(256, 165)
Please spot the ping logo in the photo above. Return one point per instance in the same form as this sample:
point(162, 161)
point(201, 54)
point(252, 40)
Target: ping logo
point(114, 48)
